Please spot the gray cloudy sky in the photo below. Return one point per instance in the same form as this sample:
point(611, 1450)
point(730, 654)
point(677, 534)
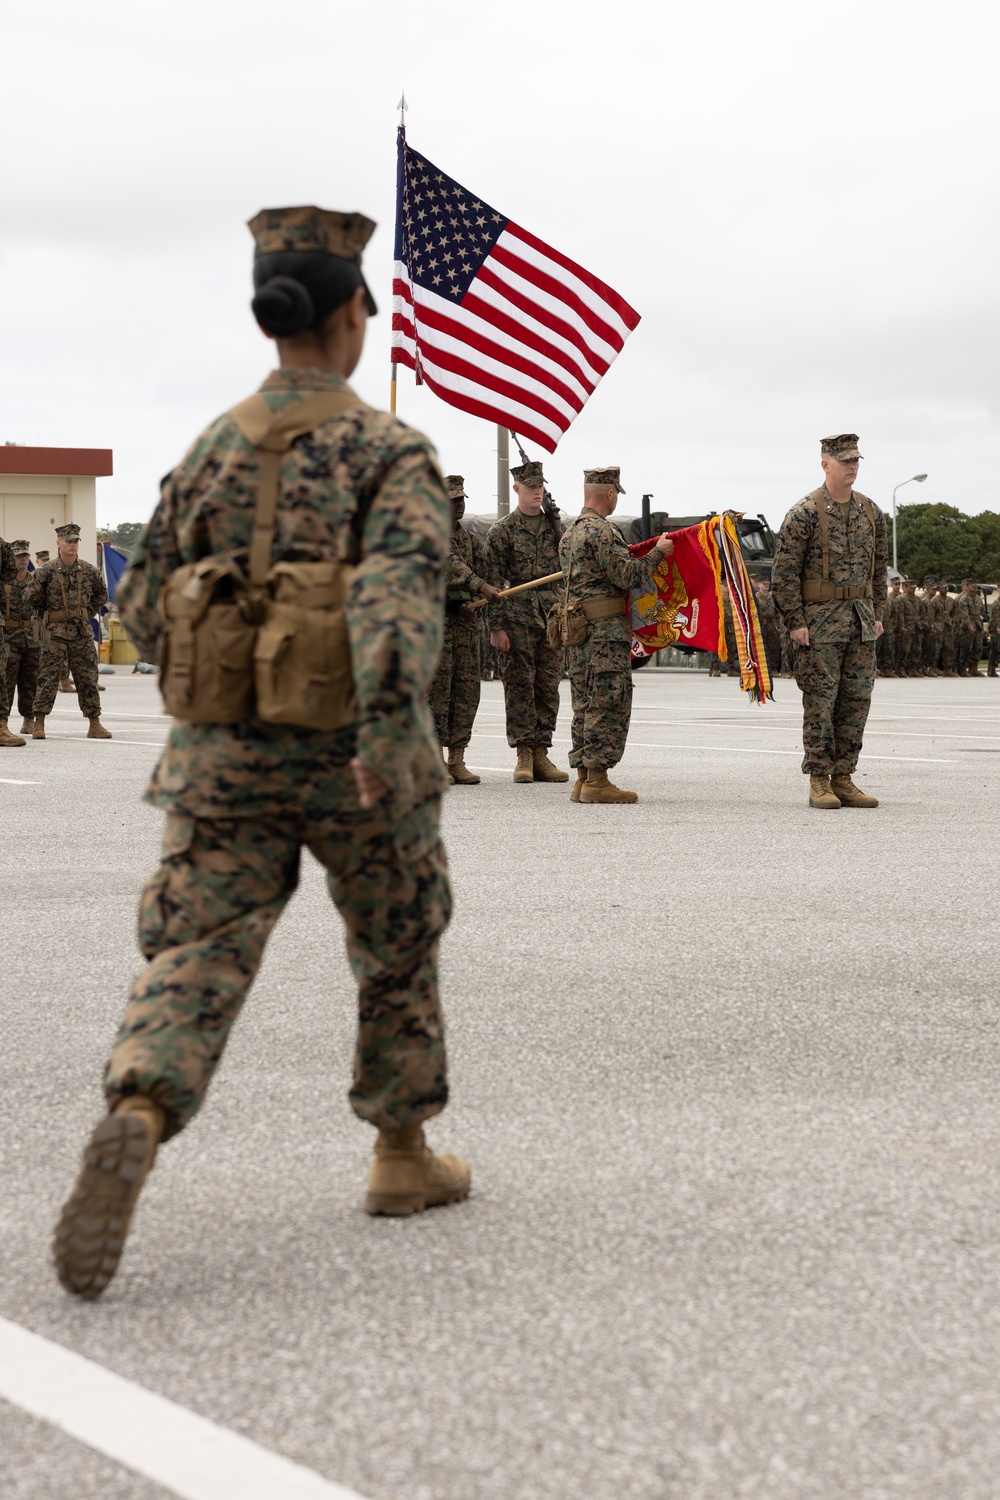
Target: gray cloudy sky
point(800, 200)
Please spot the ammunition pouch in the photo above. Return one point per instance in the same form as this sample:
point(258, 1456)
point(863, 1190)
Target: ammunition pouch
point(273, 645)
point(566, 625)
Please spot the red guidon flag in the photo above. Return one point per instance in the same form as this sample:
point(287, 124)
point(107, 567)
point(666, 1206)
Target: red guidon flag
point(684, 605)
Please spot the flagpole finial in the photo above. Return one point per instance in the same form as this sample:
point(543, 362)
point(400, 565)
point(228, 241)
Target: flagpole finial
point(402, 106)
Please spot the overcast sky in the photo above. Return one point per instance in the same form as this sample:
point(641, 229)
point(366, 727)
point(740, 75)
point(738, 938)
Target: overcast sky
point(800, 200)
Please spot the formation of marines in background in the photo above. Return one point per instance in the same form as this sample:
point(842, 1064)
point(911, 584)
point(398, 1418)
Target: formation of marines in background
point(45, 634)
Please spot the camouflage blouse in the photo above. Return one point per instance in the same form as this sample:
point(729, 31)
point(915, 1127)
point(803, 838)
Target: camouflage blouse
point(602, 566)
point(360, 484)
point(519, 549)
point(857, 552)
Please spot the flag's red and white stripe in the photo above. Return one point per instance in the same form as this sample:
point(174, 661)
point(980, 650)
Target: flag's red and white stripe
point(524, 347)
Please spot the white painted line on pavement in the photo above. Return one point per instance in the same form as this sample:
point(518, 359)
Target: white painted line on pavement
point(920, 760)
point(158, 1439)
point(13, 781)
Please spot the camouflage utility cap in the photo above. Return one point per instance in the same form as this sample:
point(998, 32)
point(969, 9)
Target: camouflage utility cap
point(68, 533)
point(41, 557)
point(843, 446)
point(529, 473)
point(604, 476)
point(321, 231)
point(21, 549)
point(456, 487)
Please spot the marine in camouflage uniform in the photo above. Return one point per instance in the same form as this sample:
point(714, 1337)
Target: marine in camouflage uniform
point(946, 619)
point(969, 629)
point(457, 685)
point(768, 615)
point(909, 630)
point(8, 572)
point(242, 801)
point(601, 573)
point(66, 595)
point(520, 547)
point(829, 583)
point(885, 646)
point(994, 656)
point(20, 677)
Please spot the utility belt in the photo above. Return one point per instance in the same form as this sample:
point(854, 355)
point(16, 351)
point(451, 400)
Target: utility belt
point(10, 623)
point(270, 644)
point(604, 606)
point(814, 592)
point(64, 616)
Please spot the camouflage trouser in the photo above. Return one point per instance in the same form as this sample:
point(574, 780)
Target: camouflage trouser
point(909, 651)
point(57, 658)
point(601, 679)
point(885, 652)
point(531, 673)
point(454, 693)
point(204, 919)
point(994, 657)
point(836, 682)
point(968, 648)
point(946, 660)
point(20, 675)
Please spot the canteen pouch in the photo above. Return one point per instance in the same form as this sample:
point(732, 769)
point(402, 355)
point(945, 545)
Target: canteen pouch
point(302, 656)
point(566, 625)
point(206, 655)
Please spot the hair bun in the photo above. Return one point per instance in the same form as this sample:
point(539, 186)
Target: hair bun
point(283, 307)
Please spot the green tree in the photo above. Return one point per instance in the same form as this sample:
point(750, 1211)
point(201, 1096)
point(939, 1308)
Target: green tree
point(941, 539)
point(124, 536)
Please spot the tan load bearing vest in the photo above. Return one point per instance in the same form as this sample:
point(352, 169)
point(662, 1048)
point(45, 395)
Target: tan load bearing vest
point(815, 592)
point(569, 624)
point(64, 615)
point(274, 645)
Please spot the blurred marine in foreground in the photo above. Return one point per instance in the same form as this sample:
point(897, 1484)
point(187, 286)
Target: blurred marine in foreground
point(297, 557)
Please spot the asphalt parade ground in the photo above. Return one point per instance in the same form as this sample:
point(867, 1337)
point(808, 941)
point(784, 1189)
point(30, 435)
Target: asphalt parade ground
point(725, 1069)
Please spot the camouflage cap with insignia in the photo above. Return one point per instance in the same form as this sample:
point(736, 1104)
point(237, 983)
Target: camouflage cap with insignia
point(456, 487)
point(529, 473)
point(604, 476)
point(321, 231)
point(21, 549)
point(68, 533)
point(842, 446)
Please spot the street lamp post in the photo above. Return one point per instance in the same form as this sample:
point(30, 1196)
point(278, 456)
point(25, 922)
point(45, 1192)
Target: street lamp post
point(919, 478)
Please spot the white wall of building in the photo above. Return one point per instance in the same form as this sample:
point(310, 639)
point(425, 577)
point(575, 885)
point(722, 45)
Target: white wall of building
point(33, 505)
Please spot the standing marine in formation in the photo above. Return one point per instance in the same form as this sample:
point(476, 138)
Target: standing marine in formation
point(8, 572)
point(829, 583)
point(331, 522)
point(600, 573)
point(20, 679)
point(457, 685)
point(66, 595)
point(522, 546)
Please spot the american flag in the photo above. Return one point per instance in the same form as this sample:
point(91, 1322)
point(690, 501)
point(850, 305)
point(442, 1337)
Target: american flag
point(495, 321)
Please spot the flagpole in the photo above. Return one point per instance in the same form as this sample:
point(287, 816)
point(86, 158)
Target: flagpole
point(503, 472)
point(402, 106)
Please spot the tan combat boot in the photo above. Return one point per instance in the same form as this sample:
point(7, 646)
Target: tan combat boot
point(599, 789)
point(525, 768)
point(66, 686)
point(849, 795)
point(543, 769)
point(7, 738)
point(90, 1235)
point(459, 771)
point(97, 731)
point(27, 725)
point(579, 783)
point(444, 755)
point(406, 1176)
point(38, 733)
point(820, 794)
